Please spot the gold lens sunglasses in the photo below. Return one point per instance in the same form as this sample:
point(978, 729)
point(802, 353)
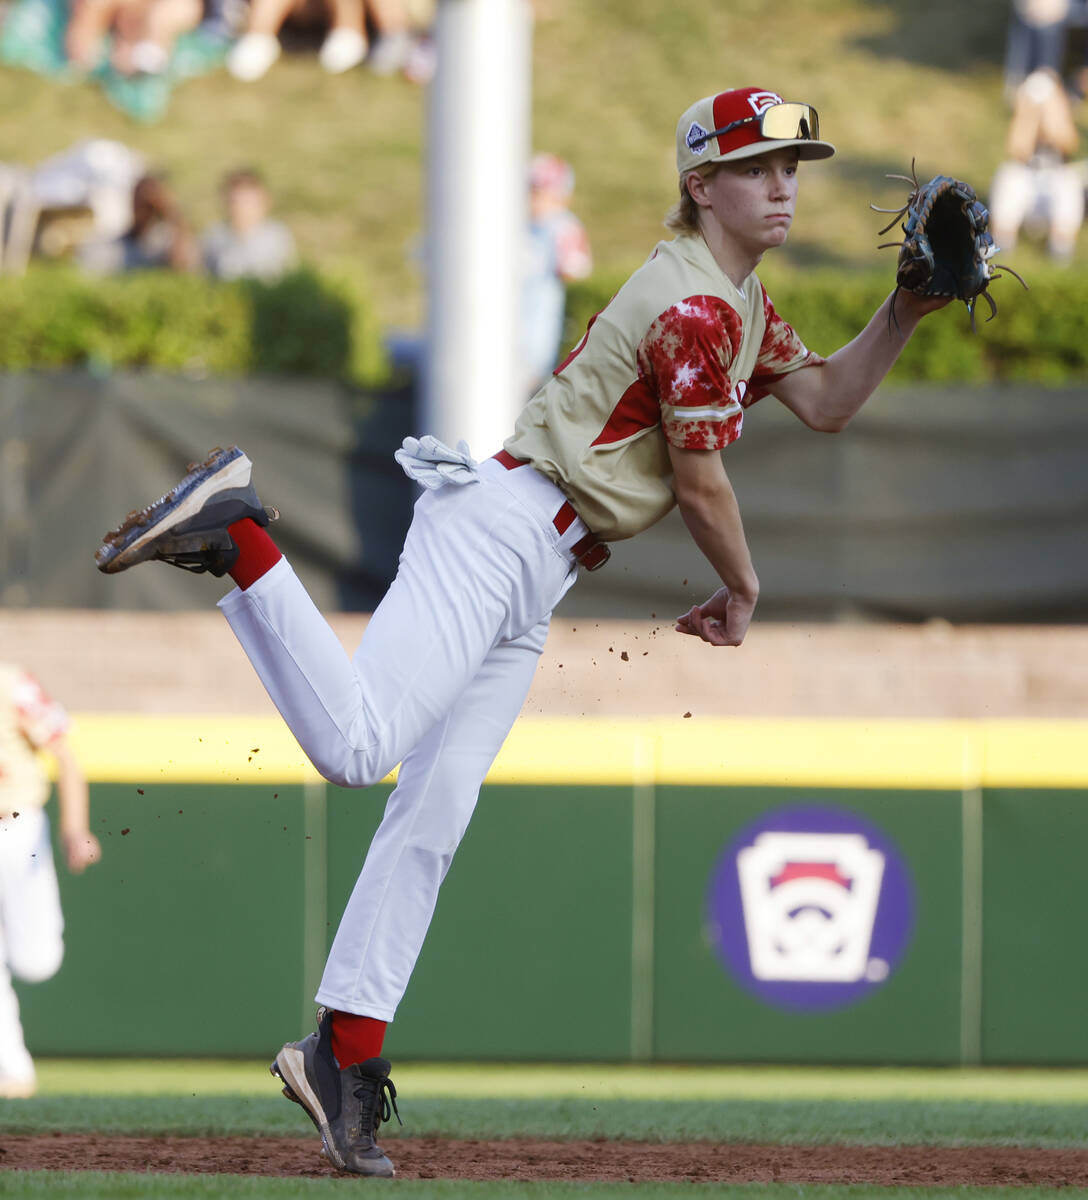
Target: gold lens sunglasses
point(780, 122)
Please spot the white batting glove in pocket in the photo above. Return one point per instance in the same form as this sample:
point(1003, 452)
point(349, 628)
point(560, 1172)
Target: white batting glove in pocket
point(432, 464)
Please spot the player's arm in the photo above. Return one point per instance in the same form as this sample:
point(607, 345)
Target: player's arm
point(825, 396)
point(709, 507)
point(81, 847)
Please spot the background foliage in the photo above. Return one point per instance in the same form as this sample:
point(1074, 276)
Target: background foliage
point(324, 323)
point(346, 160)
point(1037, 335)
point(310, 323)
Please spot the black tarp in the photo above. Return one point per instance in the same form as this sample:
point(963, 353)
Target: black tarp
point(77, 453)
point(963, 504)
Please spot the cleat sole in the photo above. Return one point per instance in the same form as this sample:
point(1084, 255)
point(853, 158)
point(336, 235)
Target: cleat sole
point(125, 546)
point(290, 1066)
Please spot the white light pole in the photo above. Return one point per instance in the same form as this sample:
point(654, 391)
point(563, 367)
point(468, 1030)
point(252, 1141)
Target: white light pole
point(478, 145)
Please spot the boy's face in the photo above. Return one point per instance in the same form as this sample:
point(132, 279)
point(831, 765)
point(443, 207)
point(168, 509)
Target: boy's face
point(150, 202)
point(247, 205)
point(753, 199)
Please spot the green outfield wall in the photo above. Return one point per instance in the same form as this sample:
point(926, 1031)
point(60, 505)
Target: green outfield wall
point(794, 891)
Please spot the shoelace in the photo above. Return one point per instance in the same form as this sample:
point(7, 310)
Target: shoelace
point(384, 1099)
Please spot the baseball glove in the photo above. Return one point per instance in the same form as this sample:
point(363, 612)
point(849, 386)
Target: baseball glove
point(947, 247)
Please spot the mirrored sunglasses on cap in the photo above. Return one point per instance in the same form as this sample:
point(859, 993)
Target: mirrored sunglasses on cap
point(779, 123)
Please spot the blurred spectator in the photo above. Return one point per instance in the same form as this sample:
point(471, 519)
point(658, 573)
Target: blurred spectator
point(557, 252)
point(1037, 187)
point(31, 922)
point(377, 31)
point(140, 33)
point(1077, 48)
point(1036, 39)
point(135, 50)
point(82, 192)
point(157, 237)
point(247, 243)
point(97, 174)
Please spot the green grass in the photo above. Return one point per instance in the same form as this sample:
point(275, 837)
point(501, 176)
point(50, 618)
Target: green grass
point(668, 1103)
point(43, 1185)
point(804, 1122)
point(800, 1106)
point(188, 1077)
point(345, 154)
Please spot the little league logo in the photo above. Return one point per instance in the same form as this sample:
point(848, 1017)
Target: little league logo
point(761, 101)
point(696, 138)
point(811, 907)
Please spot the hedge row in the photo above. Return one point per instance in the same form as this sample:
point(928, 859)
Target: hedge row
point(305, 324)
point(1037, 335)
point(325, 325)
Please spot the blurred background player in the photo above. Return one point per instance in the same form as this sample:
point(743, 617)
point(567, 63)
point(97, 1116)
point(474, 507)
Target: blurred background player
point(31, 924)
point(557, 252)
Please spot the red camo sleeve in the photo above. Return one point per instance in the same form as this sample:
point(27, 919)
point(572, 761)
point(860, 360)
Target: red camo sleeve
point(686, 359)
point(780, 353)
point(40, 718)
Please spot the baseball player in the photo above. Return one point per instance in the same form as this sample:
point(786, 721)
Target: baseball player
point(31, 947)
point(632, 423)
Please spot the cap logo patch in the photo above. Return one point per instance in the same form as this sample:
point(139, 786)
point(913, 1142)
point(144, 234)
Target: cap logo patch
point(696, 138)
point(761, 101)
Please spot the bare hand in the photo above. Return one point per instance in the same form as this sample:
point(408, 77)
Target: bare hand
point(908, 304)
point(81, 850)
point(721, 621)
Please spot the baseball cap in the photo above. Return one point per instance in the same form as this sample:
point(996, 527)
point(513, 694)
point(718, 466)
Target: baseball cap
point(731, 125)
point(551, 172)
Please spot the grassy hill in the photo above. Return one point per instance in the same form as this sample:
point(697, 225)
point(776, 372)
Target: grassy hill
point(345, 155)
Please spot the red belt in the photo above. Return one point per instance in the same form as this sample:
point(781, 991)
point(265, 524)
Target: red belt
point(589, 552)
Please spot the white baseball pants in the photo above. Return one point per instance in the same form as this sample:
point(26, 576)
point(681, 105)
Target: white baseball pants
point(436, 684)
point(31, 928)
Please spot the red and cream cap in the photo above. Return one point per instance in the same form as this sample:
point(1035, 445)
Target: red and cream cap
point(695, 146)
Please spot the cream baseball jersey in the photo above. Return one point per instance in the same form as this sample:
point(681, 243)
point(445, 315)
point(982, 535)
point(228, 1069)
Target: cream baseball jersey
point(29, 721)
point(676, 357)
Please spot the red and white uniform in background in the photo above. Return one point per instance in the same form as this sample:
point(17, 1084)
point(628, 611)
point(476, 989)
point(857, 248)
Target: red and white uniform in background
point(448, 656)
point(573, 255)
point(31, 924)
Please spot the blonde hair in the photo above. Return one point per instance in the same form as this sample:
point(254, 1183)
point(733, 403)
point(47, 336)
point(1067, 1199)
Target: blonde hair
point(683, 217)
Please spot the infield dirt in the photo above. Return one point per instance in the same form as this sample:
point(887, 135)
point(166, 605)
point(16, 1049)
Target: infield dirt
point(586, 1161)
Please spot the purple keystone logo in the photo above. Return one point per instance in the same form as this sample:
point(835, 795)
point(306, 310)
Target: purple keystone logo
point(811, 907)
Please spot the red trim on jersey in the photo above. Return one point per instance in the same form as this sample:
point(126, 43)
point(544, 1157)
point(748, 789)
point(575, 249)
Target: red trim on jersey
point(41, 720)
point(577, 349)
point(638, 409)
point(780, 344)
point(762, 384)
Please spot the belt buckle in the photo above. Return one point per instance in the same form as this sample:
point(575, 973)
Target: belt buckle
point(595, 556)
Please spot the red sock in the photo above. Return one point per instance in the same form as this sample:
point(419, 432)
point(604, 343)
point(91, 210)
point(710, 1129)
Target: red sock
point(355, 1039)
point(257, 552)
